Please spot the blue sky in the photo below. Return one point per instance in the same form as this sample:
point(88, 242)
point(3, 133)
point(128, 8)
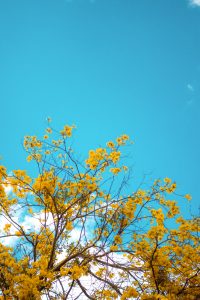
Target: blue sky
point(110, 67)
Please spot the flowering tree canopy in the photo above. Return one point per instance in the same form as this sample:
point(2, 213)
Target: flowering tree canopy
point(73, 232)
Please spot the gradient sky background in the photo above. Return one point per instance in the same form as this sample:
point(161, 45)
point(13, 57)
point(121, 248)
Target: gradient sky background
point(110, 67)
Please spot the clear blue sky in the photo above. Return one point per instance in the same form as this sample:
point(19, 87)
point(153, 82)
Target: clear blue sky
point(110, 67)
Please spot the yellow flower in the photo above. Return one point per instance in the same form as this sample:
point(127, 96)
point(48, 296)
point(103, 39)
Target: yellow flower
point(129, 293)
point(2, 171)
point(29, 158)
point(77, 271)
point(30, 210)
point(110, 144)
point(122, 139)
point(125, 168)
point(115, 156)
point(113, 248)
point(167, 180)
point(188, 197)
point(18, 233)
point(118, 239)
point(115, 171)
point(125, 137)
point(119, 141)
point(67, 131)
point(7, 228)
point(171, 188)
point(69, 226)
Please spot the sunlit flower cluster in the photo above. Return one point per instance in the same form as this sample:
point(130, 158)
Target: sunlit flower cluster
point(75, 225)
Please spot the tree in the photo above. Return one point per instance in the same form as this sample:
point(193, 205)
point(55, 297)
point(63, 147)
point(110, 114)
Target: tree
point(71, 232)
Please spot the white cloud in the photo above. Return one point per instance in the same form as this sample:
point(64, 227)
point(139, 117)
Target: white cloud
point(90, 283)
point(4, 239)
point(7, 188)
point(28, 222)
point(194, 2)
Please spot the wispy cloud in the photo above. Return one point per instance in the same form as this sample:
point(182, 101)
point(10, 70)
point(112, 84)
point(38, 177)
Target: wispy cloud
point(190, 94)
point(189, 86)
point(194, 2)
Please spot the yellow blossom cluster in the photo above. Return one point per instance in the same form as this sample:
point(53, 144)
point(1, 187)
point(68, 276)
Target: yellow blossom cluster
point(118, 239)
point(86, 226)
point(95, 158)
point(158, 215)
point(122, 139)
point(115, 171)
point(67, 131)
point(32, 142)
point(114, 156)
point(130, 292)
